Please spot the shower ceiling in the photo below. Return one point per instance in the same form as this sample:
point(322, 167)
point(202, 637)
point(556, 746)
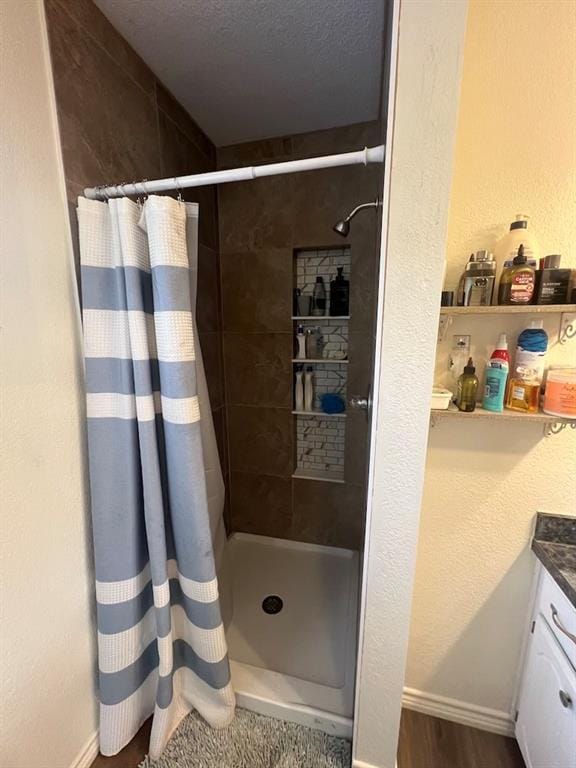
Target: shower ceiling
point(253, 69)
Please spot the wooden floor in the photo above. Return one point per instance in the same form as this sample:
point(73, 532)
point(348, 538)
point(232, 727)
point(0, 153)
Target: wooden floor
point(428, 742)
point(425, 742)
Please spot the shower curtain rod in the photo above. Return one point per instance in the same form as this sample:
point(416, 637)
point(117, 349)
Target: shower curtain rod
point(361, 157)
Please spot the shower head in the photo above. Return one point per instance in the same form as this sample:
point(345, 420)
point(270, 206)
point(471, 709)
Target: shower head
point(342, 227)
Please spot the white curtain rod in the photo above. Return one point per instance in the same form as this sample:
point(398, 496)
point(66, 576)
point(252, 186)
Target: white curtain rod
point(362, 157)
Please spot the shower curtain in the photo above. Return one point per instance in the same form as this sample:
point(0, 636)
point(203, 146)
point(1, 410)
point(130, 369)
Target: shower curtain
point(161, 644)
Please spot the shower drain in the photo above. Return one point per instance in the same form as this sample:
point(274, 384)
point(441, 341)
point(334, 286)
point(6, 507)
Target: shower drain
point(272, 604)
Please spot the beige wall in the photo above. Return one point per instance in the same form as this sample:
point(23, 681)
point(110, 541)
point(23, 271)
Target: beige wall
point(515, 152)
point(47, 707)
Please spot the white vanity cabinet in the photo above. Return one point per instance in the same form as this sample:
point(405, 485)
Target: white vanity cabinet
point(546, 708)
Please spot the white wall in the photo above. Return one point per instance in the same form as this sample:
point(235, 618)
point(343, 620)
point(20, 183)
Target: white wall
point(515, 152)
point(47, 707)
point(420, 140)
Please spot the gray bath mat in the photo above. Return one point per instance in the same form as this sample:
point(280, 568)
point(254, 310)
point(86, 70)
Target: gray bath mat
point(251, 741)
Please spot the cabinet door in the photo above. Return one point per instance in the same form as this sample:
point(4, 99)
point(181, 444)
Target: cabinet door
point(546, 725)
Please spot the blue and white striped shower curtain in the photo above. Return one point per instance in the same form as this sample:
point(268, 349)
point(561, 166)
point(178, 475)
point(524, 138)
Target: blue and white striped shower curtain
point(161, 643)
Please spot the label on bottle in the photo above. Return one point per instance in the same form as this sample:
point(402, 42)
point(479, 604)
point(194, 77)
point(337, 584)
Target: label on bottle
point(518, 393)
point(522, 288)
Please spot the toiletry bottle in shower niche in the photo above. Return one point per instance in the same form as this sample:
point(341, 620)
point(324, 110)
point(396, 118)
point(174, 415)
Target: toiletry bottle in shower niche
point(298, 389)
point(319, 297)
point(309, 389)
point(301, 343)
point(339, 295)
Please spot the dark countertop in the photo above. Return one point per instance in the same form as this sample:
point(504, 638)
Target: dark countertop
point(554, 544)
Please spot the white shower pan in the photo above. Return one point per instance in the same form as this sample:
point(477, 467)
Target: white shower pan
point(297, 661)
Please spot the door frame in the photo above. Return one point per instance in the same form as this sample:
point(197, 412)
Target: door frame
point(427, 41)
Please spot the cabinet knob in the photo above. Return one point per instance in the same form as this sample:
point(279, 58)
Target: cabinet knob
point(565, 698)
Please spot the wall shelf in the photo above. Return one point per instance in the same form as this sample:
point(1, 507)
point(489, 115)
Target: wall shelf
point(317, 318)
point(525, 309)
point(551, 424)
point(322, 360)
point(320, 414)
point(567, 313)
point(325, 477)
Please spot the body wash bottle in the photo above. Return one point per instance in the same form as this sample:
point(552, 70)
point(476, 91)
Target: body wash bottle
point(309, 389)
point(301, 341)
point(299, 390)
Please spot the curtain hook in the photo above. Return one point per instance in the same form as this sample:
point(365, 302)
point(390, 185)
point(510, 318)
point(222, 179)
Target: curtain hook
point(179, 188)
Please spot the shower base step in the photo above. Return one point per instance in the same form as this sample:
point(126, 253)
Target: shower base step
point(292, 636)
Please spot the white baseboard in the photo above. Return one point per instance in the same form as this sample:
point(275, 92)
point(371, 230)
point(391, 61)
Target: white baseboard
point(362, 764)
point(492, 720)
point(88, 753)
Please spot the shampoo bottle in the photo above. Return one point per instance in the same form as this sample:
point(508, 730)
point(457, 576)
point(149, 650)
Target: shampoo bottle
point(495, 386)
point(309, 389)
point(301, 341)
point(299, 390)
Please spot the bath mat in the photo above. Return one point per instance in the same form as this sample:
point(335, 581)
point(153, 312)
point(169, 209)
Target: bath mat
point(251, 741)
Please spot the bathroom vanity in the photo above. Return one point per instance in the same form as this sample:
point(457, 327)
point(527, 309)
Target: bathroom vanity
point(546, 704)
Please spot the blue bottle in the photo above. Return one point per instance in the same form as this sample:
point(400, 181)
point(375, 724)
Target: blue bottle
point(495, 386)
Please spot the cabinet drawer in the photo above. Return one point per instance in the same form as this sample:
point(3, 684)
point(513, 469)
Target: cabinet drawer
point(559, 613)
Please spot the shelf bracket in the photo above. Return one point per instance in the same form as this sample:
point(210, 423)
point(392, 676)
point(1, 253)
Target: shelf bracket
point(555, 427)
point(567, 327)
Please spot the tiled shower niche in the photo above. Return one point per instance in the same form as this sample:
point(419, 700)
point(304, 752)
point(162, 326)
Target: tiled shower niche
point(320, 437)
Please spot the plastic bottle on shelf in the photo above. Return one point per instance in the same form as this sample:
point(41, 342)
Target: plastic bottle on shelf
point(319, 297)
point(495, 377)
point(467, 388)
point(501, 352)
point(531, 349)
point(309, 389)
point(301, 341)
point(299, 389)
point(507, 248)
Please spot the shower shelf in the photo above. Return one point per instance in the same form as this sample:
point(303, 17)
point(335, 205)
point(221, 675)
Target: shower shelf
point(328, 360)
point(312, 474)
point(319, 318)
point(320, 414)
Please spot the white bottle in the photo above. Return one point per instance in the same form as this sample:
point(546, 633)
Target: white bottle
point(299, 391)
point(531, 348)
point(507, 248)
point(309, 389)
point(301, 339)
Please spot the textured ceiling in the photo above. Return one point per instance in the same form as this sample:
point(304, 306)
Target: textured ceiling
point(251, 69)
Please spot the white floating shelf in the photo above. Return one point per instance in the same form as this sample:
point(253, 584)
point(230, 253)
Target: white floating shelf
point(319, 360)
point(320, 317)
point(313, 474)
point(505, 415)
point(524, 309)
point(320, 414)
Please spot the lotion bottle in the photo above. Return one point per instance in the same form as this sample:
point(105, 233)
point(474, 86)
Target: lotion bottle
point(298, 390)
point(309, 389)
point(301, 341)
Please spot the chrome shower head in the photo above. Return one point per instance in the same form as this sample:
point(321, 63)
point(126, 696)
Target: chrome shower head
point(342, 227)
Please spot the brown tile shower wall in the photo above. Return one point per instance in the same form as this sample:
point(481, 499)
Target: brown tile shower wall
point(118, 123)
point(262, 223)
